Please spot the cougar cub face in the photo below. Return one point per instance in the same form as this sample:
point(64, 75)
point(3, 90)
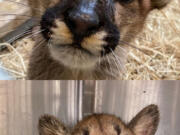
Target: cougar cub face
point(144, 123)
point(80, 33)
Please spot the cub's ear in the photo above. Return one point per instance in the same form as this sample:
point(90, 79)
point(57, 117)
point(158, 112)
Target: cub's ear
point(49, 125)
point(146, 121)
point(159, 3)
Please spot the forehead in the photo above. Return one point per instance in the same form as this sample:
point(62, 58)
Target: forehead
point(100, 122)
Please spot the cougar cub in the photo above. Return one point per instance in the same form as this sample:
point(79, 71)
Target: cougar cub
point(85, 39)
point(144, 123)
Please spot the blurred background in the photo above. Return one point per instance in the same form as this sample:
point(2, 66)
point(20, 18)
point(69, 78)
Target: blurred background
point(22, 102)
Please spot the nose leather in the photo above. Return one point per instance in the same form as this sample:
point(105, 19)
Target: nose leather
point(84, 15)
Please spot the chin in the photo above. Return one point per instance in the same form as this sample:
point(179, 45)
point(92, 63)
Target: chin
point(73, 58)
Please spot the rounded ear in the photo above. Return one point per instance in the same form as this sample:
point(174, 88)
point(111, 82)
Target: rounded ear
point(49, 125)
point(146, 121)
point(159, 3)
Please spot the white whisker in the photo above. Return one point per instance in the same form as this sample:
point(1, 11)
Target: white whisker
point(36, 33)
point(20, 35)
point(39, 44)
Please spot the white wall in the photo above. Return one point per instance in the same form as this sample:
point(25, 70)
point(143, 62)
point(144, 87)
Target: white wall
point(22, 102)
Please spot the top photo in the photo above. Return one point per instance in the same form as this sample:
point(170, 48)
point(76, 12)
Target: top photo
point(89, 39)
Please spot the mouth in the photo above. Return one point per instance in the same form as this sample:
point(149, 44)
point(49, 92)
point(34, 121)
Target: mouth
point(96, 38)
point(75, 46)
point(98, 42)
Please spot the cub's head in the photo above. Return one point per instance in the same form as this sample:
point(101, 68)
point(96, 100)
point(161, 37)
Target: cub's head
point(80, 33)
point(144, 123)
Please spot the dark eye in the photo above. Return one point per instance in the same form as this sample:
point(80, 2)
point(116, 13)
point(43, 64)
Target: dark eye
point(85, 132)
point(126, 1)
point(118, 130)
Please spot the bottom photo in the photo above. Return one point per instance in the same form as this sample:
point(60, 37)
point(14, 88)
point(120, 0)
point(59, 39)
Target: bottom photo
point(89, 107)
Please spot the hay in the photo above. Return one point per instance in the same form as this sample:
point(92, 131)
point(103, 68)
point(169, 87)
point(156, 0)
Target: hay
point(160, 42)
point(158, 59)
point(16, 59)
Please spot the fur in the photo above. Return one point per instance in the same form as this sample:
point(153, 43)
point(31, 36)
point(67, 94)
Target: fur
point(95, 53)
point(144, 123)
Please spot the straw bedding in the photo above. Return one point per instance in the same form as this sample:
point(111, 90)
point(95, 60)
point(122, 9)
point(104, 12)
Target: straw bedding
point(159, 43)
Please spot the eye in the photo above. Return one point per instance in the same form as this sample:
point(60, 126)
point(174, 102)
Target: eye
point(118, 130)
point(126, 1)
point(85, 132)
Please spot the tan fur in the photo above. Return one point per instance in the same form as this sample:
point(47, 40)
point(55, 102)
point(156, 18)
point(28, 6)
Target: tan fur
point(145, 123)
point(41, 55)
point(94, 42)
point(53, 61)
point(61, 34)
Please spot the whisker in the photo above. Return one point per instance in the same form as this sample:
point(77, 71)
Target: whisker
point(137, 36)
point(34, 33)
point(124, 50)
point(49, 41)
point(18, 31)
point(118, 60)
point(132, 46)
point(109, 64)
point(115, 61)
point(39, 44)
point(19, 36)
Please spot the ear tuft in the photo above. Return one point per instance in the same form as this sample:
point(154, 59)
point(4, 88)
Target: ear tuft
point(159, 3)
point(146, 121)
point(49, 125)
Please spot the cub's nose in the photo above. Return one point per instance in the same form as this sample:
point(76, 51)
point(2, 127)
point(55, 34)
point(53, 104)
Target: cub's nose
point(83, 20)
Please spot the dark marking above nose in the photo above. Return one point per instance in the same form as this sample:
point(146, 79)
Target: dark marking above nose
point(118, 130)
point(85, 132)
